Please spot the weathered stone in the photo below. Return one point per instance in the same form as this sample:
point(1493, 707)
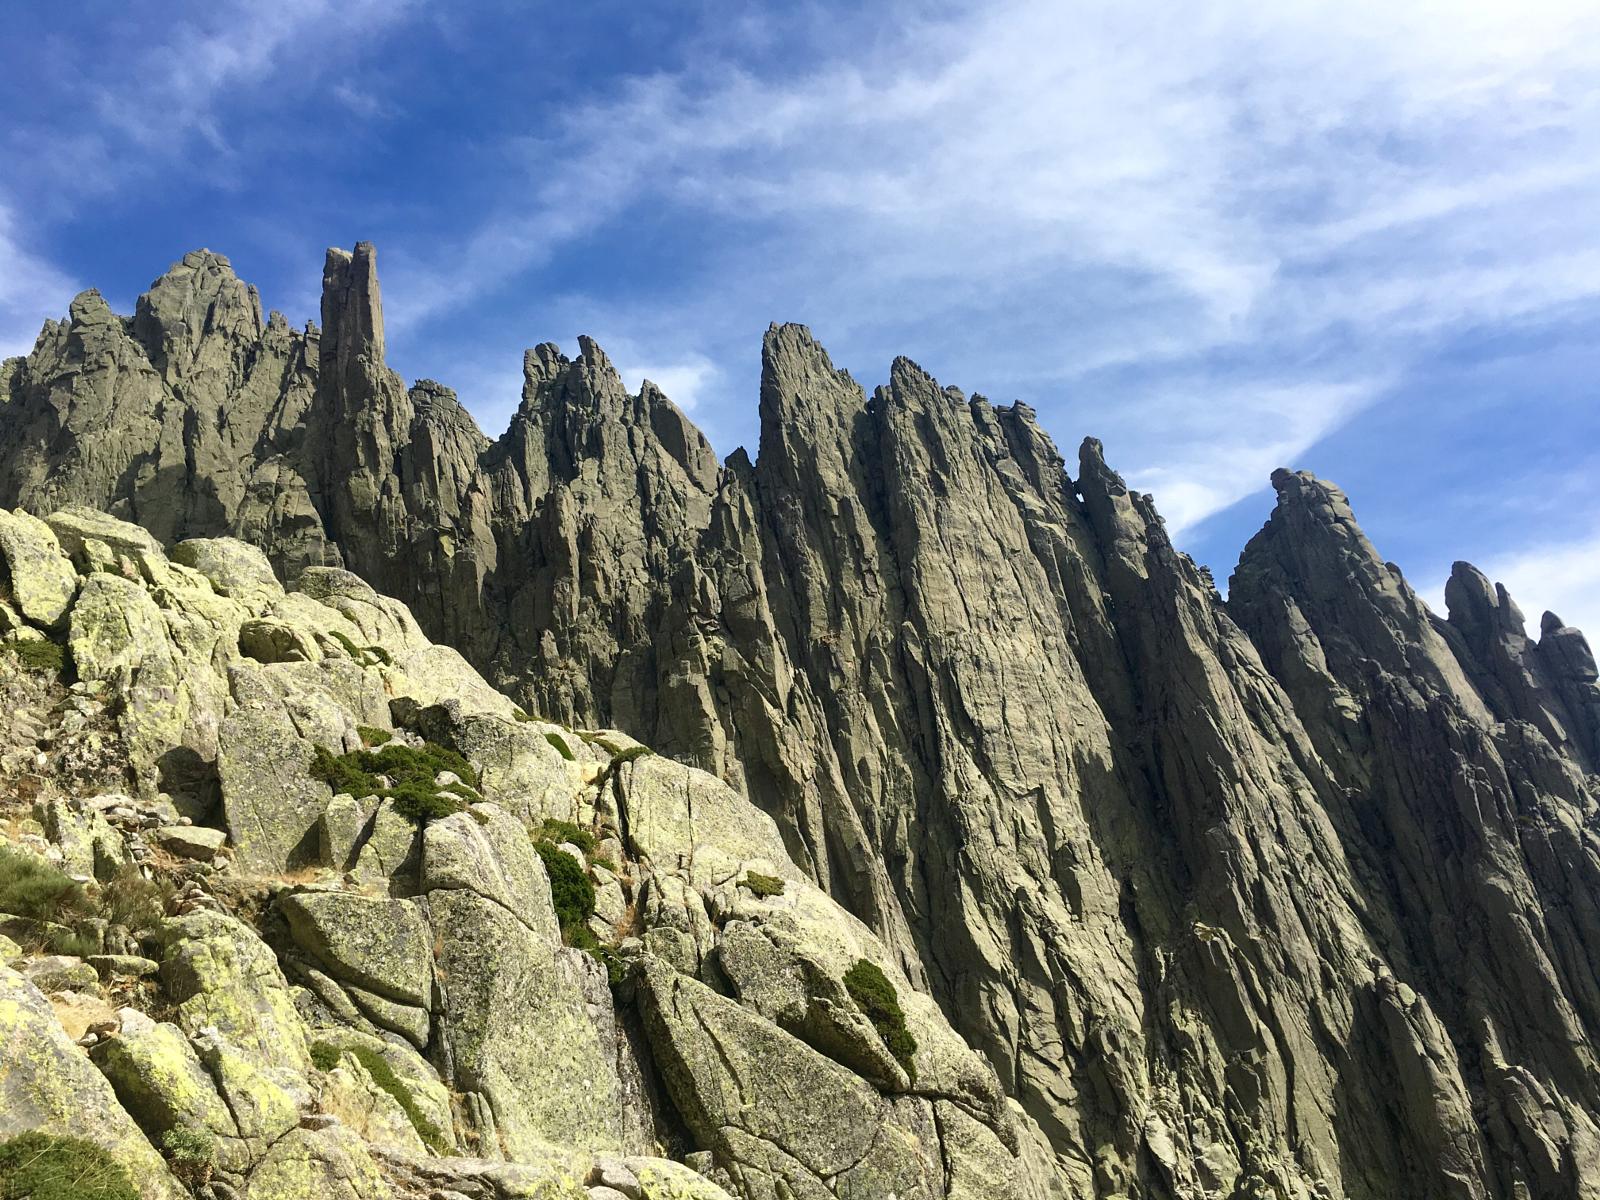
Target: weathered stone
point(47, 1084)
point(160, 1080)
point(234, 568)
point(324, 1164)
point(41, 579)
point(734, 1076)
point(191, 841)
point(125, 966)
point(221, 976)
point(381, 945)
point(339, 831)
point(60, 973)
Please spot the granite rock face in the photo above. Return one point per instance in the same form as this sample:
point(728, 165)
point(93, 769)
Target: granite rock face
point(1295, 894)
point(327, 1027)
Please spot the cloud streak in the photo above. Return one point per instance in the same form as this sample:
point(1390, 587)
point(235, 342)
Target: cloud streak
point(29, 285)
point(1235, 206)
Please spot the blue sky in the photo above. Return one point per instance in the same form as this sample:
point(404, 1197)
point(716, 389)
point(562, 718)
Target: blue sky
point(1358, 238)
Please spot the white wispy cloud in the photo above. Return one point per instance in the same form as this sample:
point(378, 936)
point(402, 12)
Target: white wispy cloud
point(29, 287)
point(237, 44)
point(685, 380)
point(1560, 577)
point(1123, 193)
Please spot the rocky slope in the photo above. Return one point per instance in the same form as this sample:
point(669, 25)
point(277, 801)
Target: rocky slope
point(348, 999)
point(1289, 895)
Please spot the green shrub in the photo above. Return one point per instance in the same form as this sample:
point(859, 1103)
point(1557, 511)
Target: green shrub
point(596, 861)
point(40, 654)
point(411, 773)
point(560, 744)
point(875, 996)
point(763, 885)
point(325, 1057)
point(522, 714)
point(31, 887)
point(570, 890)
point(192, 1153)
point(371, 735)
point(565, 831)
point(38, 1166)
point(132, 901)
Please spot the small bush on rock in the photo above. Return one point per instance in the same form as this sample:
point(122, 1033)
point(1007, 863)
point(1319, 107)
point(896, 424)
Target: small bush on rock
point(38, 1166)
point(560, 744)
point(410, 773)
point(570, 890)
point(192, 1154)
point(371, 735)
point(556, 832)
point(875, 996)
point(763, 885)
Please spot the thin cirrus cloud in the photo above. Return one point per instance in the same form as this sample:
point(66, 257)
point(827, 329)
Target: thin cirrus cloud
point(1230, 206)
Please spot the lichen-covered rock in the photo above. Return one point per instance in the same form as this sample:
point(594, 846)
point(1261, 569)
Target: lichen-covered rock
point(774, 1112)
point(41, 579)
point(663, 1179)
point(234, 568)
point(47, 1084)
point(378, 944)
point(161, 1082)
point(220, 976)
point(322, 1164)
point(515, 1028)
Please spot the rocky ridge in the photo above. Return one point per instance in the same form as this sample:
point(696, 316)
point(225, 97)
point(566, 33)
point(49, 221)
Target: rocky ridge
point(1287, 895)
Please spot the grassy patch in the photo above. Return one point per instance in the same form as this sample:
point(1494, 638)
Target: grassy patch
point(410, 773)
point(875, 996)
point(325, 1057)
point(38, 1166)
point(40, 654)
point(371, 735)
point(560, 744)
point(762, 885)
point(132, 901)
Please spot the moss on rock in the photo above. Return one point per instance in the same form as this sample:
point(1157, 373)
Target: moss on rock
point(875, 996)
